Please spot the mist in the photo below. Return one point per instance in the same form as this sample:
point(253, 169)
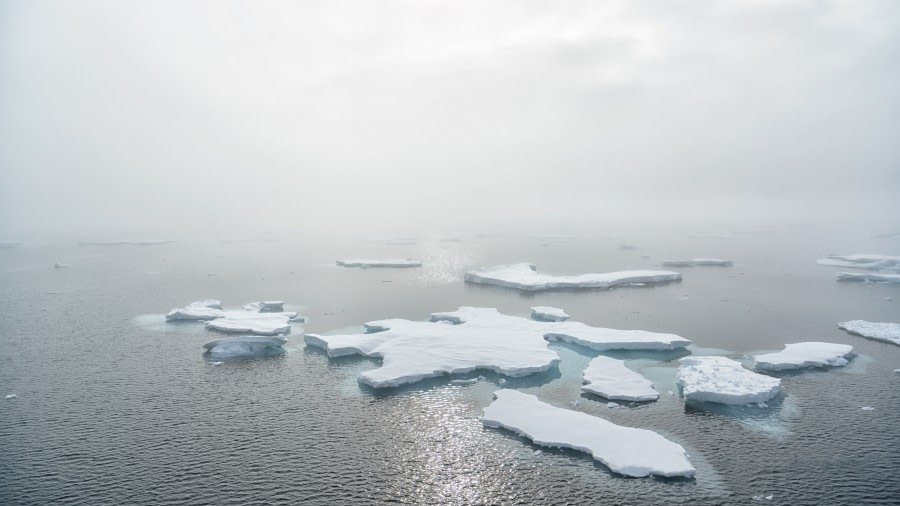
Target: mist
point(245, 119)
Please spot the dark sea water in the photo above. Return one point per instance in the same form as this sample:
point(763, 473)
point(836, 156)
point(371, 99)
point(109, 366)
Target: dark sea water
point(115, 406)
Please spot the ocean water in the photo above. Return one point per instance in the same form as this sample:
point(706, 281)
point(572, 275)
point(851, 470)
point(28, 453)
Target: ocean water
point(115, 406)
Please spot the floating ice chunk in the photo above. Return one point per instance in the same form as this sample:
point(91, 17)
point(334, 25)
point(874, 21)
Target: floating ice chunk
point(697, 261)
point(722, 380)
point(610, 378)
point(208, 309)
point(393, 262)
point(868, 277)
point(524, 276)
point(811, 354)
point(867, 408)
point(612, 404)
point(501, 381)
point(477, 338)
point(256, 317)
point(548, 314)
point(58, 265)
point(625, 450)
point(245, 346)
point(11, 396)
point(887, 332)
point(862, 261)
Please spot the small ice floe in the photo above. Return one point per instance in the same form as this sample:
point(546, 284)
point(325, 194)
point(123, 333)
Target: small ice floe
point(763, 497)
point(58, 265)
point(612, 405)
point(524, 276)
point(862, 261)
point(609, 378)
point(726, 381)
point(625, 450)
point(887, 332)
point(868, 277)
point(245, 346)
point(800, 355)
point(547, 313)
point(481, 338)
point(574, 403)
point(867, 408)
point(216, 363)
point(392, 262)
point(11, 396)
point(257, 317)
point(697, 261)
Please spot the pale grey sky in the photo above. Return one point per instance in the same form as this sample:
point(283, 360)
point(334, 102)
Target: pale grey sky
point(166, 118)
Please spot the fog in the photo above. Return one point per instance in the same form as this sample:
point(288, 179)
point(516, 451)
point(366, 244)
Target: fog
point(173, 119)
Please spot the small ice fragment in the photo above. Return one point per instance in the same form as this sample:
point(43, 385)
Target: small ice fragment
point(867, 408)
point(762, 405)
point(502, 381)
point(11, 396)
point(537, 452)
point(888, 298)
point(575, 403)
point(216, 363)
point(670, 392)
point(770, 497)
point(612, 404)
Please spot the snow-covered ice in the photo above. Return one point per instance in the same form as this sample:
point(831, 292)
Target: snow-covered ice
point(726, 381)
point(524, 276)
point(810, 354)
point(867, 408)
point(392, 262)
point(478, 338)
point(245, 346)
point(887, 332)
point(697, 261)
point(862, 261)
point(208, 309)
point(625, 450)
point(262, 317)
point(608, 377)
point(869, 277)
point(549, 314)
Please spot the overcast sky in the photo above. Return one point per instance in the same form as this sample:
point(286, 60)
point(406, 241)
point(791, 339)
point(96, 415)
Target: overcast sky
point(125, 119)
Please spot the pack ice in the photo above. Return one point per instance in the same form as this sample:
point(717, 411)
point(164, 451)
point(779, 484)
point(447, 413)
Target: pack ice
point(263, 317)
point(625, 450)
point(697, 261)
point(480, 338)
point(245, 346)
point(862, 261)
point(524, 276)
point(887, 332)
point(868, 277)
point(726, 381)
point(810, 354)
point(609, 378)
point(547, 313)
point(366, 263)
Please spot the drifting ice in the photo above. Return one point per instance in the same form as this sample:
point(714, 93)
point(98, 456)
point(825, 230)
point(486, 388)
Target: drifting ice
point(608, 377)
point(868, 277)
point(697, 261)
point(257, 317)
point(799, 355)
point(245, 346)
point(365, 263)
point(524, 276)
point(625, 450)
point(722, 380)
point(548, 314)
point(860, 261)
point(887, 332)
point(482, 338)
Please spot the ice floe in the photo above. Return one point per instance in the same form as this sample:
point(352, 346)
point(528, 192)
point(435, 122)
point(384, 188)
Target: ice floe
point(524, 276)
point(263, 317)
point(726, 381)
point(697, 261)
point(624, 450)
point(549, 314)
point(245, 346)
point(609, 378)
point(809, 354)
point(862, 261)
point(393, 262)
point(887, 332)
point(868, 277)
point(479, 338)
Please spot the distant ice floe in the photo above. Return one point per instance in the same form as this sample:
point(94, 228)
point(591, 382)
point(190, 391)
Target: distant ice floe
point(524, 276)
point(478, 338)
point(868, 277)
point(609, 378)
point(862, 261)
point(547, 313)
point(366, 263)
point(263, 317)
point(245, 346)
point(697, 261)
point(809, 354)
point(624, 450)
point(887, 332)
point(123, 243)
point(726, 381)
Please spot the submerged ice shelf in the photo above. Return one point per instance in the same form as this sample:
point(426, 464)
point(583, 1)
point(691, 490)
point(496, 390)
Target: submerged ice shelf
point(265, 317)
point(392, 262)
point(887, 332)
point(524, 276)
point(478, 338)
point(625, 450)
point(609, 378)
point(245, 346)
point(809, 354)
point(726, 381)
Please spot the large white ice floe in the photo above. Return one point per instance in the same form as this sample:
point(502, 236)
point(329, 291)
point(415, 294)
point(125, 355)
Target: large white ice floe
point(625, 450)
point(245, 346)
point(481, 338)
point(547, 313)
point(524, 276)
point(862, 261)
point(726, 381)
point(609, 378)
point(392, 262)
point(697, 261)
point(263, 317)
point(868, 277)
point(810, 354)
point(887, 332)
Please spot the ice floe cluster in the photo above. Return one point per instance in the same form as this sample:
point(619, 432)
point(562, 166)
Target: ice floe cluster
point(393, 262)
point(810, 354)
point(723, 380)
point(264, 318)
point(887, 332)
point(524, 276)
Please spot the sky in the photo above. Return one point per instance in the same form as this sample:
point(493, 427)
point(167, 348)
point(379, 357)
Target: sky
point(169, 119)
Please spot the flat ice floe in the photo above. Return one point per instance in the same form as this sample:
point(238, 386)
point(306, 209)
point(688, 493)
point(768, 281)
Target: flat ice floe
point(887, 332)
point(245, 346)
point(625, 450)
point(868, 277)
point(609, 378)
point(862, 261)
point(547, 313)
point(392, 262)
point(726, 381)
point(697, 261)
point(263, 317)
point(479, 338)
point(524, 276)
point(810, 354)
